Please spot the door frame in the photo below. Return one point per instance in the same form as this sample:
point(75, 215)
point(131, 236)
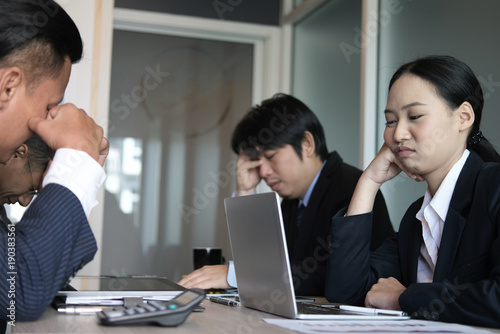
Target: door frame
point(293, 14)
point(267, 69)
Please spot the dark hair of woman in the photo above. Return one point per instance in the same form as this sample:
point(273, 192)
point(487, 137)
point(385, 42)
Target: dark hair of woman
point(38, 154)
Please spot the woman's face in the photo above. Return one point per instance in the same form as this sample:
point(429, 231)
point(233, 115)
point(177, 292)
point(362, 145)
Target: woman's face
point(422, 130)
point(16, 180)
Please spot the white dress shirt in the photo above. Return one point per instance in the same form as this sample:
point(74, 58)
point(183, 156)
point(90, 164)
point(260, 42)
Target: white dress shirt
point(79, 172)
point(433, 215)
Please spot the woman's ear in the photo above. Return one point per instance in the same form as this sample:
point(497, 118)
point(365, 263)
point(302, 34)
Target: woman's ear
point(308, 144)
point(21, 152)
point(466, 116)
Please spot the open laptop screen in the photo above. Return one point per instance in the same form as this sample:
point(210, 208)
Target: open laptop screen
point(259, 251)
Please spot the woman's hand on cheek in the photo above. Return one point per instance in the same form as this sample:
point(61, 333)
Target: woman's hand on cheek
point(386, 166)
point(416, 177)
point(383, 167)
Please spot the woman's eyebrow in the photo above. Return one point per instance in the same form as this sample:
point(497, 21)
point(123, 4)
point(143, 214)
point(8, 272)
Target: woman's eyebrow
point(413, 104)
point(406, 106)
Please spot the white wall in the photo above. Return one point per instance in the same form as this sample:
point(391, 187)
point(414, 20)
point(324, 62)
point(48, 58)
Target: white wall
point(89, 82)
point(326, 78)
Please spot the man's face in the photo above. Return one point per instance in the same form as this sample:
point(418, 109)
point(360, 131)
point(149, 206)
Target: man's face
point(17, 180)
point(284, 172)
point(26, 104)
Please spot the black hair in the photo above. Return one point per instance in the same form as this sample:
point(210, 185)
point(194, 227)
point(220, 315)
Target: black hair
point(456, 83)
point(38, 154)
point(38, 36)
point(276, 122)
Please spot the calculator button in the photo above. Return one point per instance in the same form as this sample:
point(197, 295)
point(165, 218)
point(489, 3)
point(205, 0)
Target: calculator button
point(159, 306)
point(113, 314)
point(149, 307)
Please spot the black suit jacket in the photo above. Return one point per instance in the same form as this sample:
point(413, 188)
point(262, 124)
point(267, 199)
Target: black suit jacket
point(466, 282)
point(308, 247)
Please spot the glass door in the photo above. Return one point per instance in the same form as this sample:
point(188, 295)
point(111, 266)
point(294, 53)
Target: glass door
point(174, 103)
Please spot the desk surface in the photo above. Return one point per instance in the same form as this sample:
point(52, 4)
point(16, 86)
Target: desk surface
point(216, 318)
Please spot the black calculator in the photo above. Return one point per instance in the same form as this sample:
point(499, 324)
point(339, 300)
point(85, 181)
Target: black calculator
point(164, 313)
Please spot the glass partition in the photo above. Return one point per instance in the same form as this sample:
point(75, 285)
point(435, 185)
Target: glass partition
point(174, 104)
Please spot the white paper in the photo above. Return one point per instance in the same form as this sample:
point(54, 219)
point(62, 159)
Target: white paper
point(99, 300)
point(379, 326)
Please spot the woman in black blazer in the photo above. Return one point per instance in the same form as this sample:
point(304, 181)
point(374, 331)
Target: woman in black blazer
point(444, 263)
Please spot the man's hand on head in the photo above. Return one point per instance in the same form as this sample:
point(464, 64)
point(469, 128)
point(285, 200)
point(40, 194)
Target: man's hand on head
point(247, 175)
point(66, 126)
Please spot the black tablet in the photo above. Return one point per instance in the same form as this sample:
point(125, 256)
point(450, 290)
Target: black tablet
point(90, 288)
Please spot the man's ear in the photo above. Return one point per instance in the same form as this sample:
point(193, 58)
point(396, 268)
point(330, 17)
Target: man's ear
point(308, 145)
point(10, 80)
point(466, 116)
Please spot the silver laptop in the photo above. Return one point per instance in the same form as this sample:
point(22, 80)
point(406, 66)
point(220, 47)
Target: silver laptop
point(261, 261)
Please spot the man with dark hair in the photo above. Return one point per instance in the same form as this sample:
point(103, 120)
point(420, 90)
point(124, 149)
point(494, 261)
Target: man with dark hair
point(282, 142)
point(38, 255)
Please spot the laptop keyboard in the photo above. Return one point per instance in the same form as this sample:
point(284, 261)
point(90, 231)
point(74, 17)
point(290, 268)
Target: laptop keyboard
point(306, 308)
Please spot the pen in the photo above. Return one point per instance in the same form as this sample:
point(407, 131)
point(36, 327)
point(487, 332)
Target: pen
point(80, 309)
point(223, 301)
point(219, 295)
point(371, 310)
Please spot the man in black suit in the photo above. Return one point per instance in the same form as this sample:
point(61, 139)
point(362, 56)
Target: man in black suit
point(282, 142)
point(38, 44)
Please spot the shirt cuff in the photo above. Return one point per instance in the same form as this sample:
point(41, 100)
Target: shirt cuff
point(234, 193)
point(231, 275)
point(79, 172)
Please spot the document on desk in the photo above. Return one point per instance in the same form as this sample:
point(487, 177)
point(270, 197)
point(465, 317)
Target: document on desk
point(390, 327)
